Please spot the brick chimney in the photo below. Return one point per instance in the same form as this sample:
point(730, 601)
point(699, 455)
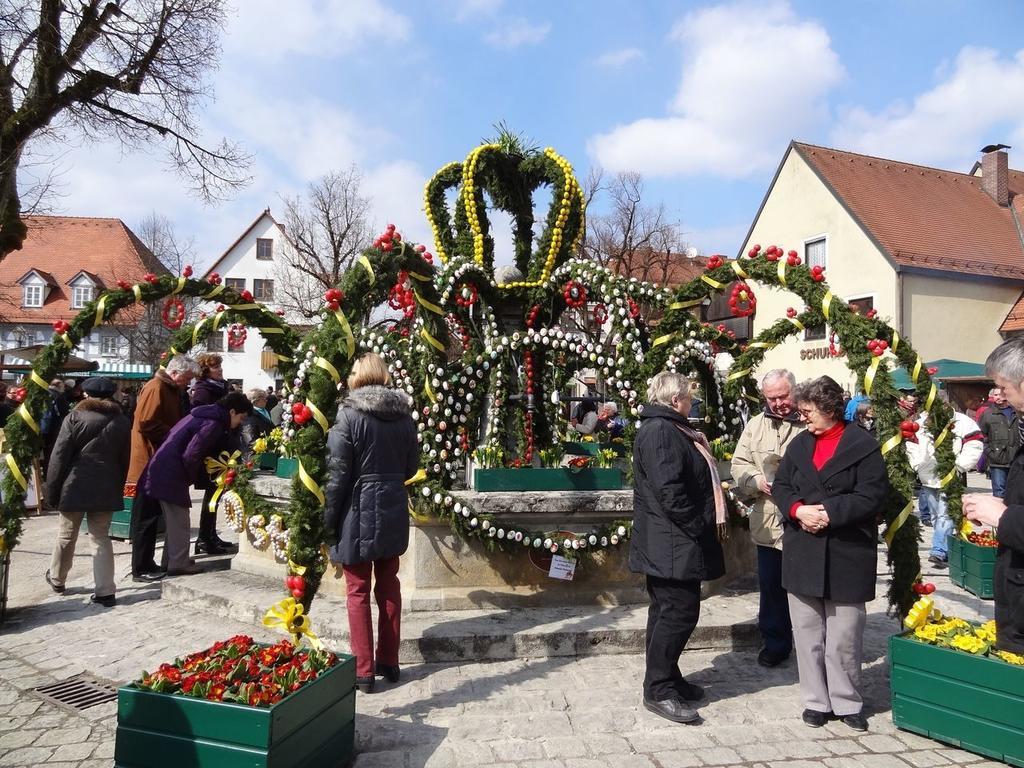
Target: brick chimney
point(995, 176)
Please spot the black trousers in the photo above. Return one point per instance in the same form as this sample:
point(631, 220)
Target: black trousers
point(207, 519)
point(146, 515)
point(671, 619)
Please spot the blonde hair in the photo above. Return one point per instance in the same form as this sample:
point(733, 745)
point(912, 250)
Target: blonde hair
point(665, 386)
point(255, 394)
point(367, 371)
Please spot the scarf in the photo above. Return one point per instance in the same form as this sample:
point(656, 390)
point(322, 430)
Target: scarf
point(700, 442)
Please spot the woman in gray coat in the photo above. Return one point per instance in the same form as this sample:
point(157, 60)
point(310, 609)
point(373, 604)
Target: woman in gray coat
point(372, 451)
point(86, 479)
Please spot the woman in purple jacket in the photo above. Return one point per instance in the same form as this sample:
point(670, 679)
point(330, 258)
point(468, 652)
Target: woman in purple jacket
point(207, 390)
point(178, 463)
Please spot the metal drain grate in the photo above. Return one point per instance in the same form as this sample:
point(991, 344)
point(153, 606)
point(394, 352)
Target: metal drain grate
point(77, 693)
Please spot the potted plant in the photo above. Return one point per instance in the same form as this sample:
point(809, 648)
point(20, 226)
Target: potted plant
point(240, 703)
point(972, 561)
point(265, 450)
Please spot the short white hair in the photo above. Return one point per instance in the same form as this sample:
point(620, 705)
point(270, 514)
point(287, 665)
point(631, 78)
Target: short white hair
point(183, 364)
point(611, 407)
point(666, 385)
point(778, 373)
point(255, 394)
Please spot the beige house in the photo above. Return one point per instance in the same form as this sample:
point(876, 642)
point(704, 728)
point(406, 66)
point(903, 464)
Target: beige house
point(938, 254)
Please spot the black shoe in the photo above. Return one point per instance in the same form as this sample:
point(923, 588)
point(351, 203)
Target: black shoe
point(107, 601)
point(672, 709)
point(690, 691)
point(938, 562)
point(226, 546)
point(58, 588)
point(210, 547)
point(365, 684)
point(858, 722)
point(768, 658)
point(816, 719)
point(389, 673)
point(149, 577)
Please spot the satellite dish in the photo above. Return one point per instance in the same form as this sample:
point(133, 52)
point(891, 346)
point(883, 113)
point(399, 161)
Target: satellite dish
point(691, 252)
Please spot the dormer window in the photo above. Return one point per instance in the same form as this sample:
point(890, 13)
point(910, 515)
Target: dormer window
point(33, 296)
point(80, 296)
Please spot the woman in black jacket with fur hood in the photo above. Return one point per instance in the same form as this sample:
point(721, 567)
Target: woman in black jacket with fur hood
point(85, 478)
point(372, 451)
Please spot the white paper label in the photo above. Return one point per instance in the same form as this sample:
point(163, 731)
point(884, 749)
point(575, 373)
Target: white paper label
point(561, 568)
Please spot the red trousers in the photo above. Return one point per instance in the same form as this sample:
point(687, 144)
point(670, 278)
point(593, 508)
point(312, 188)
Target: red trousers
point(388, 592)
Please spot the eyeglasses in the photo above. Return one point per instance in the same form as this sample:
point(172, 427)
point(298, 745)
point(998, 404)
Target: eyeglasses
point(805, 412)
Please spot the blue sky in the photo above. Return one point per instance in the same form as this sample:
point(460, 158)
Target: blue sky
point(700, 97)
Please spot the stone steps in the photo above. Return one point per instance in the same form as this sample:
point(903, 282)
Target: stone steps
point(727, 622)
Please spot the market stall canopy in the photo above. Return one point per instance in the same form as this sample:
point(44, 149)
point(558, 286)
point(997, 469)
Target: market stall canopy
point(137, 371)
point(948, 370)
point(22, 359)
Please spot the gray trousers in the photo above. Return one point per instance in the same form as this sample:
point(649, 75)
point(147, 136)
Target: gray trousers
point(177, 530)
point(829, 642)
point(64, 549)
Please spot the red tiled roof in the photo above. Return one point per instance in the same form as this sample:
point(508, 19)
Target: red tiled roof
point(1014, 318)
point(673, 270)
point(926, 217)
point(64, 246)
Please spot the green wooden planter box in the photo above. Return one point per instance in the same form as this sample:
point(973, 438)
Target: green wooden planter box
point(287, 468)
point(128, 502)
point(267, 460)
point(971, 702)
point(592, 449)
point(313, 727)
point(548, 479)
point(120, 524)
point(972, 566)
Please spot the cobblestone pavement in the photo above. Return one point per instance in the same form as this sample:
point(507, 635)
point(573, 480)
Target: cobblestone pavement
point(551, 712)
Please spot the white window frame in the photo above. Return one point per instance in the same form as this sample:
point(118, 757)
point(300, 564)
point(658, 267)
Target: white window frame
point(109, 340)
point(808, 241)
point(860, 296)
point(82, 295)
point(32, 288)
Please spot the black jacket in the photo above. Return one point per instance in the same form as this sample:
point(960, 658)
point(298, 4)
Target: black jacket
point(1002, 438)
point(255, 426)
point(1009, 574)
point(90, 459)
point(673, 503)
point(840, 562)
point(372, 450)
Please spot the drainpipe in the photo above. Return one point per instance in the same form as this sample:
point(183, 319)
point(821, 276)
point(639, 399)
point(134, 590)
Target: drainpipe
point(899, 304)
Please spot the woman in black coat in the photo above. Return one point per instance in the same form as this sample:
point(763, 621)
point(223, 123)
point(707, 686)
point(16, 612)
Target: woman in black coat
point(372, 451)
point(1006, 515)
point(830, 489)
point(677, 501)
point(86, 478)
point(257, 424)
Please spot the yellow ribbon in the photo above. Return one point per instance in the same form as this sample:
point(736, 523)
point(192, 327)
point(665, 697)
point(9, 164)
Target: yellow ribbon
point(346, 331)
point(761, 345)
point(419, 477)
point(101, 305)
point(713, 283)
point(217, 318)
point(284, 359)
point(429, 392)
point(428, 305)
point(826, 302)
point(782, 271)
point(296, 568)
point(418, 276)
point(917, 370)
point(217, 468)
point(948, 478)
point(931, 398)
point(895, 340)
point(663, 339)
point(869, 376)
point(67, 340)
point(27, 417)
point(270, 330)
point(137, 290)
point(16, 471)
point(796, 322)
point(738, 269)
point(195, 331)
point(897, 523)
point(179, 286)
point(738, 374)
point(243, 307)
point(891, 443)
point(289, 616)
point(686, 304)
point(319, 416)
point(368, 267)
point(943, 434)
point(311, 484)
point(323, 362)
point(431, 340)
point(217, 290)
point(38, 380)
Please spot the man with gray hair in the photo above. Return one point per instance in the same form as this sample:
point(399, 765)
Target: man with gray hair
point(1006, 515)
point(754, 463)
point(158, 409)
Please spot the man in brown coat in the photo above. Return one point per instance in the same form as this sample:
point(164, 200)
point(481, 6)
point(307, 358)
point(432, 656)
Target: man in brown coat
point(158, 409)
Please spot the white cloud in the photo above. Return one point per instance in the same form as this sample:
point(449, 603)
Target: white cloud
point(738, 101)
point(269, 29)
point(976, 102)
point(619, 58)
point(396, 193)
point(516, 32)
point(467, 9)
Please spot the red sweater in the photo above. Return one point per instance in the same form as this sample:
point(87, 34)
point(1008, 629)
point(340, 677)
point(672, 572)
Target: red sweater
point(825, 446)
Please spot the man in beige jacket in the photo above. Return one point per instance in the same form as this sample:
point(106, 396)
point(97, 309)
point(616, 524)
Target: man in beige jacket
point(758, 453)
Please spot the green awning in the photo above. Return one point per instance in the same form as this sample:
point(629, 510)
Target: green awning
point(137, 371)
point(947, 369)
